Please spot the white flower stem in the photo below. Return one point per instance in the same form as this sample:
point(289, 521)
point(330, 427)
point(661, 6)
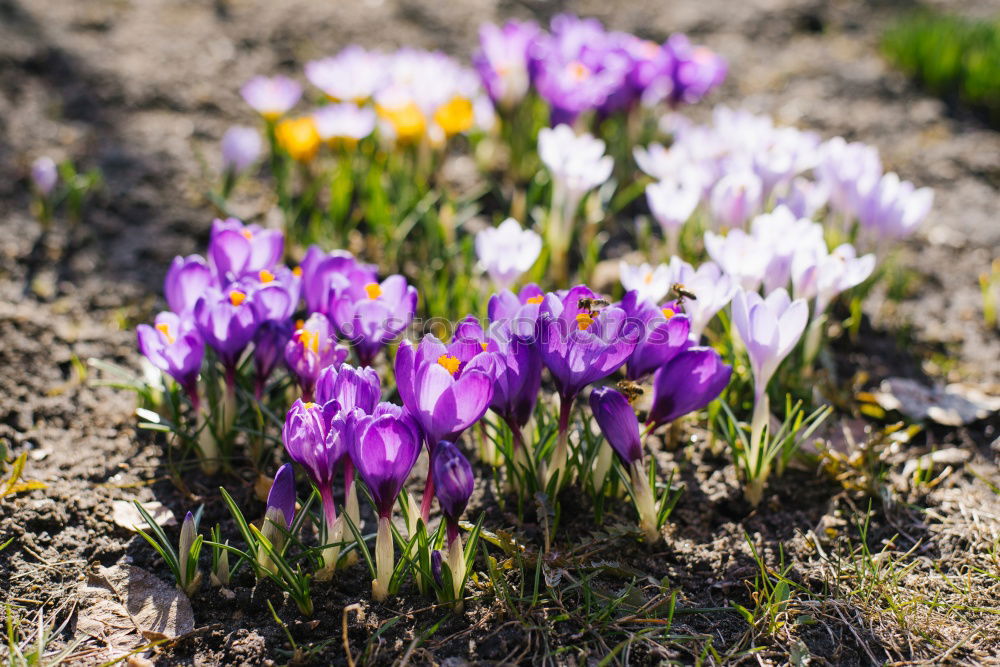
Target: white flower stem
point(383, 560)
point(757, 468)
point(645, 504)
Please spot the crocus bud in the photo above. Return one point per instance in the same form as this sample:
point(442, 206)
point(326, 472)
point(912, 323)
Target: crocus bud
point(689, 382)
point(436, 561)
point(189, 582)
point(618, 423)
point(312, 348)
point(279, 513)
point(44, 175)
point(455, 481)
point(241, 147)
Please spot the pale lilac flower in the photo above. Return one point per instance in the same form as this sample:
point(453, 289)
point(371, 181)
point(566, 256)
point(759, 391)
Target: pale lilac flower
point(507, 251)
point(577, 163)
point(893, 209)
point(502, 60)
point(673, 201)
point(769, 328)
point(782, 234)
point(271, 97)
point(805, 198)
point(713, 288)
point(651, 283)
point(344, 121)
point(740, 255)
point(848, 169)
point(44, 175)
point(735, 198)
point(823, 275)
point(353, 75)
point(241, 147)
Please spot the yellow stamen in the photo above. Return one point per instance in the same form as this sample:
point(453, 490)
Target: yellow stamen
point(309, 340)
point(668, 313)
point(236, 297)
point(450, 363)
point(578, 71)
point(309, 405)
point(164, 329)
point(297, 271)
point(584, 320)
point(266, 276)
point(484, 346)
point(299, 324)
point(247, 234)
point(536, 299)
point(648, 279)
point(374, 290)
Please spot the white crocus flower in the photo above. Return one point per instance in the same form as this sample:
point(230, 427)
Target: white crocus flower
point(713, 289)
point(740, 255)
point(651, 282)
point(507, 251)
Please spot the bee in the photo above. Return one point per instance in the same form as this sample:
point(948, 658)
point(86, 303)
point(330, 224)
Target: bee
point(592, 305)
point(631, 390)
point(682, 292)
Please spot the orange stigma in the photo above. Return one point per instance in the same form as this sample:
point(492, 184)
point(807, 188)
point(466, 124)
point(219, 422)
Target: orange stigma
point(247, 234)
point(299, 324)
point(578, 71)
point(297, 271)
point(668, 313)
point(484, 346)
point(373, 290)
point(536, 299)
point(236, 297)
point(309, 405)
point(584, 320)
point(450, 363)
point(309, 340)
point(265, 276)
point(164, 329)
point(648, 278)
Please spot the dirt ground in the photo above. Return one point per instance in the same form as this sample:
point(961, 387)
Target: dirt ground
point(144, 90)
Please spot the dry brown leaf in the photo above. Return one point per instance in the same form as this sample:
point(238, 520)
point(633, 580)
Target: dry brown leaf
point(126, 514)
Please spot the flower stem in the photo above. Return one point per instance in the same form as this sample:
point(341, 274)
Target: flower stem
point(645, 505)
point(561, 453)
point(383, 560)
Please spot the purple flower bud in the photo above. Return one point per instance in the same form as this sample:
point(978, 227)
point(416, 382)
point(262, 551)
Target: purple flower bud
point(44, 175)
point(236, 250)
point(384, 454)
point(370, 315)
point(227, 322)
point(352, 388)
point(692, 380)
point(436, 560)
point(174, 346)
point(453, 478)
point(665, 334)
point(186, 281)
point(445, 394)
point(580, 346)
point(311, 349)
point(282, 493)
point(314, 438)
point(618, 423)
point(269, 349)
point(241, 147)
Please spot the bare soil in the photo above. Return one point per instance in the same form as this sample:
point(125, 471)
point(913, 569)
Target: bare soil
point(145, 89)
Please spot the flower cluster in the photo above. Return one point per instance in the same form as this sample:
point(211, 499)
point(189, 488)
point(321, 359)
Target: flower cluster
point(578, 66)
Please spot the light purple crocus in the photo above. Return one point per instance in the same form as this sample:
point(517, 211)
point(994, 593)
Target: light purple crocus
point(186, 281)
point(241, 148)
point(502, 60)
point(712, 288)
point(271, 97)
point(672, 202)
point(347, 123)
point(664, 334)
point(353, 75)
point(740, 255)
point(227, 322)
point(44, 175)
point(371, 315)
point(736, 198)
point(688, 382)
point(174, 346)
point(312, 348)
point(275, 298)
point(236, 250)
point(618, 423)
point(515, 313)
point(894, 209)
point(324, 274)
point(695, 70)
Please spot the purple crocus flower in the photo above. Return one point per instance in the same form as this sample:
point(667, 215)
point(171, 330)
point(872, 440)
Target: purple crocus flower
point(665, 333)
point(174, 346)
point(618, 423)
point(274, 298)
point(325, 274)
point(236, 250)
point(518, 313)
point(312, 348)
point(384, 454)
point(694, 70)
point(271, 97)
point(228, 323)
point(455, 482)
point(186, 281)
point(370, 315)
point(241, 147)
point(281, 497)
point(580, 346)
point(44, 175)
point(502, 60)
point(689, 382)
point(350, 387)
